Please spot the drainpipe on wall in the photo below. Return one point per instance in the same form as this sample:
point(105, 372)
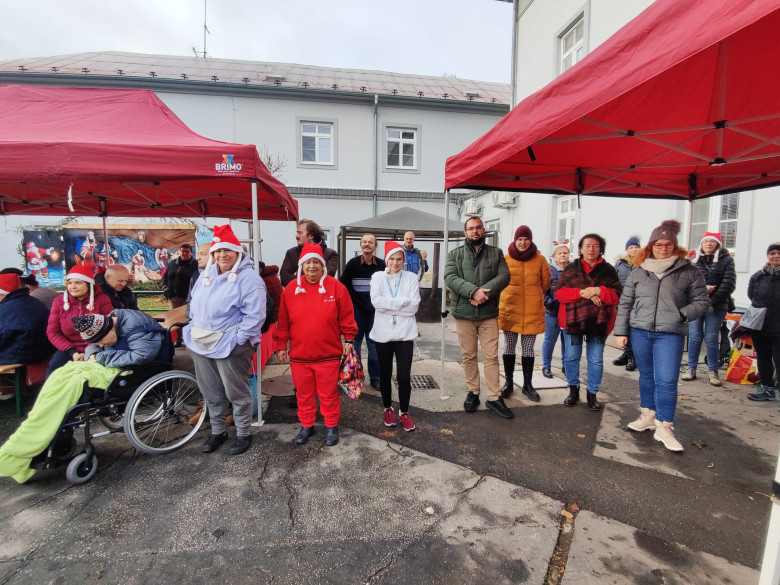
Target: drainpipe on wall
point(376, 150)
point(513, 86)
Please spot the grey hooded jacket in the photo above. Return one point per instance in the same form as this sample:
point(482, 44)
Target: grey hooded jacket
point(665, 305)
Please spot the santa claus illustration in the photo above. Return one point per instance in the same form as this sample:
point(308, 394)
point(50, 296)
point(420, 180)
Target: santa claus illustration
point(36, 259)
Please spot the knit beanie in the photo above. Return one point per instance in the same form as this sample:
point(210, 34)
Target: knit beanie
point(632, 241)
point(524, 232)
point(393, 247)
point(223, 239)
point(709, 236)
point(775, 246)
point(83, 272)
point(309, 252)
point(93, 327)
point(668, 230)
point(9, 283)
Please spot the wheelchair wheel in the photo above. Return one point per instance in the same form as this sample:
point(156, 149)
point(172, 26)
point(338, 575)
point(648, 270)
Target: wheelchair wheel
point(157, 418)
point(79, 471)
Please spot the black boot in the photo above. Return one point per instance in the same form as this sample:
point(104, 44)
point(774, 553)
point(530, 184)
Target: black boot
point(622, 360)
point(528, 372)
point(573, 397)
point(631, 363)
point(593, 404)
point(509, 372)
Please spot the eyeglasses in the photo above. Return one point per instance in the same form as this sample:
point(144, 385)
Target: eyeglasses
point(660, 246)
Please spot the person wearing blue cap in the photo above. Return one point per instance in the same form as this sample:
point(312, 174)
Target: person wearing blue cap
point(624, 264)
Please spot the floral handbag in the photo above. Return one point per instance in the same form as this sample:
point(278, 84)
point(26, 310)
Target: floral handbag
point(351, 374)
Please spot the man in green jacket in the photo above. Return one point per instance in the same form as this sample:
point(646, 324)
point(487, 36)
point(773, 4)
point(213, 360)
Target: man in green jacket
point(476, 273)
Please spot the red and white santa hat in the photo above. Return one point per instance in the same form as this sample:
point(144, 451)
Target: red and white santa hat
point(391, 248)
point(224, 239)
point(9, 283)
point(309, 252)
point(709, 236)
point(86, 273)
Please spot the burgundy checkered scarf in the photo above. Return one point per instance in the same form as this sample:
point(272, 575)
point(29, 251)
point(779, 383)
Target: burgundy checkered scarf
point(583, 317)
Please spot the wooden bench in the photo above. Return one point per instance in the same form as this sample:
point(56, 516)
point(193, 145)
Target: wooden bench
point(20, 377)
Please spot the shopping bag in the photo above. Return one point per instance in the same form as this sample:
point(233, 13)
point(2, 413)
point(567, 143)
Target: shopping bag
point(753, 318)
point(741, 370)
point(351, 375)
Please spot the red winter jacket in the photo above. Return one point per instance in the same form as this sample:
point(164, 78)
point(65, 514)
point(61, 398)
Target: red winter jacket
point(60, 330)
point(314, 323)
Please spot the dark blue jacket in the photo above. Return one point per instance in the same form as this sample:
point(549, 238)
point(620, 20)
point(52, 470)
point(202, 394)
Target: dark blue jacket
point(23, 321)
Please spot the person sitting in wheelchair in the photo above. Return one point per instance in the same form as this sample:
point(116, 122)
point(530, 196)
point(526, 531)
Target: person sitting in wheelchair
point(121, 339)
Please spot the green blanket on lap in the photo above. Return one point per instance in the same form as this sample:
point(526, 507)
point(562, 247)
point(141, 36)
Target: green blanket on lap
point(60, 392)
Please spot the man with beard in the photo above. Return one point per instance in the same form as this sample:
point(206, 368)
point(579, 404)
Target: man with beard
point(307, 232)
point(476, 274)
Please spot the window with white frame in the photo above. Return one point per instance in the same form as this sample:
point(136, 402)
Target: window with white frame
point(317, 143)
point(401, 148)
point(718, 214)
point(572, 43)
point(567, 214)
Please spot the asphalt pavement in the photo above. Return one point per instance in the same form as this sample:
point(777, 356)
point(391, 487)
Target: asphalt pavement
point(555, 495)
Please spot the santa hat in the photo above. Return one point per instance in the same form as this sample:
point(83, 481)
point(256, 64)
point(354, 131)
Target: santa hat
point(391, 248)
point(9, 283)
point(224, 239)
point(92, 327)
point(311, 252)
point(84, 272)
point(709, 236)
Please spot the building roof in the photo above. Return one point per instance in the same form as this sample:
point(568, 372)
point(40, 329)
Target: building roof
point(260, 73)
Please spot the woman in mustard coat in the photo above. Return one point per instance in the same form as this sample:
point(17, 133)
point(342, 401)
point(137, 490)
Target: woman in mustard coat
point(521, 307)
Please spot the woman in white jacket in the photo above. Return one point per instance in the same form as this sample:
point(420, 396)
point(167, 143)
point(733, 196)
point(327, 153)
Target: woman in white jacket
point(395, 295)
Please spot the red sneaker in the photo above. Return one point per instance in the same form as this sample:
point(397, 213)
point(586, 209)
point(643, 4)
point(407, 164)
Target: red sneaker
point(390, 420)
point(407, 422)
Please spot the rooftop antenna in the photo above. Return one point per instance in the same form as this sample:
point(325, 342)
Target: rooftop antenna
point(205, 32)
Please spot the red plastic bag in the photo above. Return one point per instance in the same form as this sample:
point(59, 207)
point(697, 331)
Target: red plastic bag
point(741, 368)
point(351, 374)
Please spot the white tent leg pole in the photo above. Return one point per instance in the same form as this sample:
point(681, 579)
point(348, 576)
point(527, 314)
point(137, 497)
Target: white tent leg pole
point(443, 264)
point(105, 242)
point(256, 255)
point(770, 565)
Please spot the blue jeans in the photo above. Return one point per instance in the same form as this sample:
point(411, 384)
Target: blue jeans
point(594, 355)
point(365, 322)
point(552, 331)
point(706, 327)
point(658, 357)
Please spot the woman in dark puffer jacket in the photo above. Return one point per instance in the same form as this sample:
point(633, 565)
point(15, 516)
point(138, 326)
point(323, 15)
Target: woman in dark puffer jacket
point(717, 267)
point(764, 291)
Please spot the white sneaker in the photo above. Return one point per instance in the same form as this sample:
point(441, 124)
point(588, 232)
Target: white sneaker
point(664, 432)
point(688, 375)
point(645, 421)
point(714, 380)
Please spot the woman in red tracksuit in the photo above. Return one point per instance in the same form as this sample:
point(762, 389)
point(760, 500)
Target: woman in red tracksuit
point(315, 314)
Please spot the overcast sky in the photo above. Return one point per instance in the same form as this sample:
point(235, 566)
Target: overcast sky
point(467, 38)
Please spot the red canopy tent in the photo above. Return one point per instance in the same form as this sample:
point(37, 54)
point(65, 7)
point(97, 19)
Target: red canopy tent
point(682, 102)
point(123, 153)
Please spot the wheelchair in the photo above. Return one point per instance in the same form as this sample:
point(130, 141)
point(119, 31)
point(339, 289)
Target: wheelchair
point(152, 404)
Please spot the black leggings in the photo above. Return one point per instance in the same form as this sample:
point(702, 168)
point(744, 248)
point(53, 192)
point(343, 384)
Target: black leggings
point(768, 357)
point(403, 351)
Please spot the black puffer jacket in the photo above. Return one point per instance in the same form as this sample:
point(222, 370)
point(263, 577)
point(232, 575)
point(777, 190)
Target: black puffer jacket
point(721, 274)
point(764, 291)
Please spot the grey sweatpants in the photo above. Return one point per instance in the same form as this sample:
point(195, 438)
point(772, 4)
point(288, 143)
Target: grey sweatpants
point(225, 381)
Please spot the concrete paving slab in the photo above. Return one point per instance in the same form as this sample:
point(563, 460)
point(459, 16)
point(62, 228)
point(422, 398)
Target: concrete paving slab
point(607, 552)
point(365, 511)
